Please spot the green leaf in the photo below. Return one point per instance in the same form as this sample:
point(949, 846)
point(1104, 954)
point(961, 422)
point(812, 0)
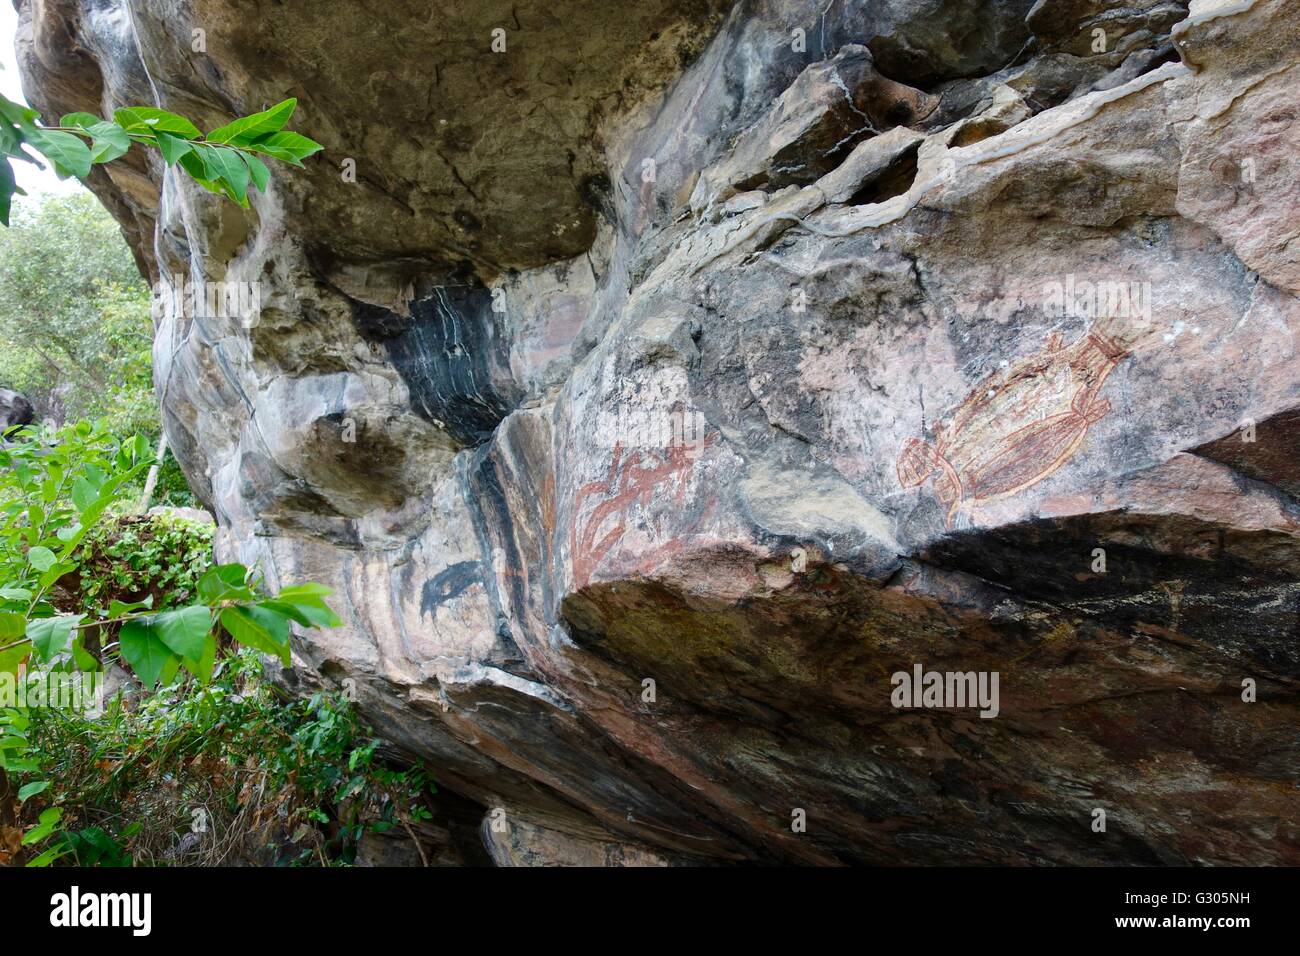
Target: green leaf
point(32, 789)
point(80, 120)
point(67, 533)
point(15, 594)
point(244, 131)
point(16, 112)
point(201, 667)
point(83, 493)
point(47, 821)
point(55, 572)
point(295, 143)
point(41, 558)
point(171, 147)
point(12, 626)
point(146, 119)
point(169, 671)
point(50, 635)
point(292, 612)
point(8, 187)
point(259, 629)
point(49, 856)
point(141, 648)
point(12, 659)
point(284, 155)
point(118, 609)
point(69, 154)
point(307, 589)
point(208, 184)
point(257, 170)
point(185, 631)
point(314, 609)
point(82, 659)
point(225, 582)
point(11, 144)
point(109, 141)
point(286, 146)
point(195, 163)
point(229, 170)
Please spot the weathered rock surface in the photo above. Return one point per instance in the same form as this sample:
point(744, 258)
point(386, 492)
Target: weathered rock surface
point(760, 351)
point(15, 409)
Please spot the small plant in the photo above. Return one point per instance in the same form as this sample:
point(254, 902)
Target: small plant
point(225, 161)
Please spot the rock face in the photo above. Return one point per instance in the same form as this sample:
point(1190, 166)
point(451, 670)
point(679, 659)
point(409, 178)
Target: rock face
point(657, 388)
point(15, 409)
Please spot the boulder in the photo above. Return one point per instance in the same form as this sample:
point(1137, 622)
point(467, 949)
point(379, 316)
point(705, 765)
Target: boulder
point(15, 409)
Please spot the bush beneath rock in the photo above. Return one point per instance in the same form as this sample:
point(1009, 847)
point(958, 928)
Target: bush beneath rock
point(130, 558)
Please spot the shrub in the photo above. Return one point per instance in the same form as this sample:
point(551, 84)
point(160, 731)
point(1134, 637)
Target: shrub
point(54, 492)
point(227, 773)
point(130, 558)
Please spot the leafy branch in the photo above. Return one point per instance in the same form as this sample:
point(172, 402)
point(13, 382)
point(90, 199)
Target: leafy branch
point(225, 161)
point(51, 495)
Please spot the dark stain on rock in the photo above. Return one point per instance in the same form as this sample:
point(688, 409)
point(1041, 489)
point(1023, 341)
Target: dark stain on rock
point(598, 193)
point(450, 353)
point(447, 584)
point(466, 220)
point(1218, 589)
point(492, 514)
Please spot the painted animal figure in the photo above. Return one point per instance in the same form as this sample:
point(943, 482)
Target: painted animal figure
point(1017, 427)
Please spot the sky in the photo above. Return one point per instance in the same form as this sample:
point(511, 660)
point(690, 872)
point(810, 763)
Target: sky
point(29, 177)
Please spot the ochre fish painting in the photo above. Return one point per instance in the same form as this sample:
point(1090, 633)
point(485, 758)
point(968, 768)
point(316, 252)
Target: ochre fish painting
point(1017, 426)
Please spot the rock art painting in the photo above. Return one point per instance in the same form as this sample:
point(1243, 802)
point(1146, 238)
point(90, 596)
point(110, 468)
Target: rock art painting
point(1016, 427)
point(636, 477)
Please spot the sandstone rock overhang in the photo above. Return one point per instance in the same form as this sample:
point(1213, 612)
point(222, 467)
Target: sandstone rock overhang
point(670, 379)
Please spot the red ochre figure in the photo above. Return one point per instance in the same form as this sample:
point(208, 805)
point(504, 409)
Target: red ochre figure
point(1017, 427)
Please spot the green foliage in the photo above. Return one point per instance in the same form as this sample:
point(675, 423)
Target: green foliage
point(74, 314)
point(130, 558)
point(75, 325)
point(225, 161)
point(52, 494)
point(217, 773)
